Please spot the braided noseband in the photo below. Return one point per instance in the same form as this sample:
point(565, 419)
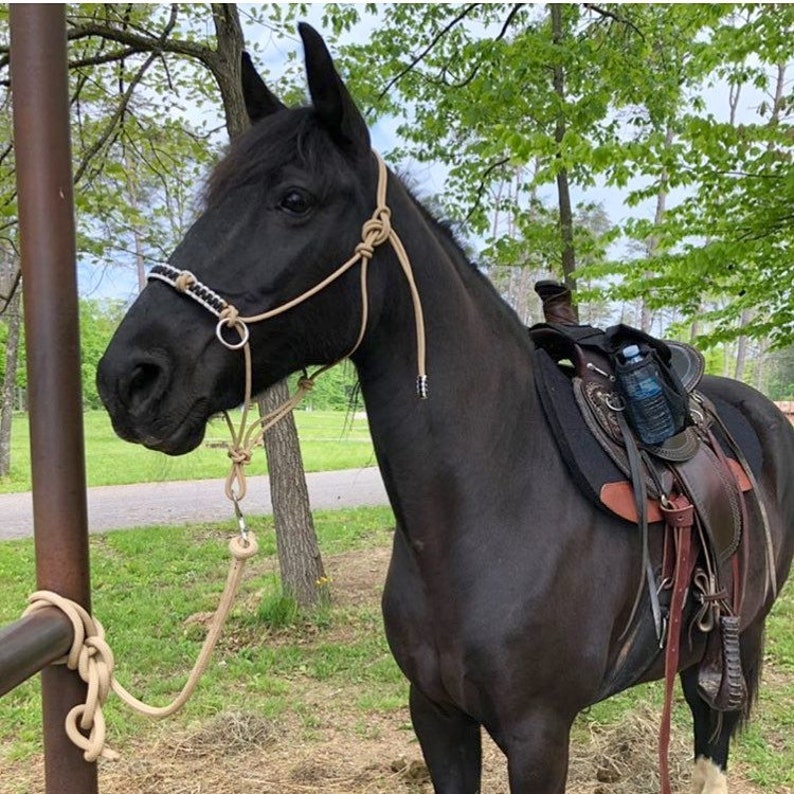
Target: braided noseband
point(375, 231)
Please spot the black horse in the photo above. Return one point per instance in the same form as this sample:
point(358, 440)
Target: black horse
point(508, 591)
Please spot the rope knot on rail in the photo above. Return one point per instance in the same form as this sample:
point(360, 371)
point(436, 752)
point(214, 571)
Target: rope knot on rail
point(92, 658)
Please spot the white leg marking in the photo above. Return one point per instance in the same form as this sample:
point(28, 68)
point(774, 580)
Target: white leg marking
point(708, 778)
point(699, 775)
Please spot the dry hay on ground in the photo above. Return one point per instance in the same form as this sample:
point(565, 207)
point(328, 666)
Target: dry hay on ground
point(238, 752)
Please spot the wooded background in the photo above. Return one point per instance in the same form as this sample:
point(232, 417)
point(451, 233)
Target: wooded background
point(643, 153)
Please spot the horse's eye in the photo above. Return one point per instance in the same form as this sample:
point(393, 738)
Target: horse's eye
point(295, 202)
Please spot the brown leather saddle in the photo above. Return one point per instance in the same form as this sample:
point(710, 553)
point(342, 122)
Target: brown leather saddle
point(576, 384)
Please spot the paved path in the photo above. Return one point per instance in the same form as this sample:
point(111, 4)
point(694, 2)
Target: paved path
point(125, 506)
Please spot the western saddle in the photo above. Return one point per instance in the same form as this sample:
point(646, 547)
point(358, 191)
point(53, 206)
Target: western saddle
point(692, 487)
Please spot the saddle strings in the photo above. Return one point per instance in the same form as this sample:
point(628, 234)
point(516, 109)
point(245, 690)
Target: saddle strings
point(375, 231)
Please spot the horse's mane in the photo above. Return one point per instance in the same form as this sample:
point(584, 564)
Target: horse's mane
point(291, 136)
point(445, 232)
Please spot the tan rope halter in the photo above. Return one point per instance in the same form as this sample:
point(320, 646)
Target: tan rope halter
point(376, 231)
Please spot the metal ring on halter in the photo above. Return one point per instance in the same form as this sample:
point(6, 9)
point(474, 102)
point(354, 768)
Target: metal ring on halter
point(225, 342)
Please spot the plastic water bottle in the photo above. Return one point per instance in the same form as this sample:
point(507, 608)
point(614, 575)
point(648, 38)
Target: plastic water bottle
point(646, 404)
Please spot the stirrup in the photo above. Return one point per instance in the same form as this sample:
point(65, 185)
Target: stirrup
point(720, 678)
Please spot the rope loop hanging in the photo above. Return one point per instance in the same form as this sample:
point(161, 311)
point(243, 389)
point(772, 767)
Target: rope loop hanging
point(92, 658)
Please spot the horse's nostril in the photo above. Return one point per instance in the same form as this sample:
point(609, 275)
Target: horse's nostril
point(146, 382)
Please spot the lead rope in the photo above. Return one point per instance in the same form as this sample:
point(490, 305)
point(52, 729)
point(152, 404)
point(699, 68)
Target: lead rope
point(92, 658)
point(90, 655)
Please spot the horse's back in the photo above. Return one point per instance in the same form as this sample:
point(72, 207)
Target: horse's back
point(773, 432)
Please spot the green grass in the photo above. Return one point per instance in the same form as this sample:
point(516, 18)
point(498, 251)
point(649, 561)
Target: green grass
point(329, 440)
point(146, 583)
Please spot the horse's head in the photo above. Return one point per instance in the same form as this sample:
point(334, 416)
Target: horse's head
point(283, 210)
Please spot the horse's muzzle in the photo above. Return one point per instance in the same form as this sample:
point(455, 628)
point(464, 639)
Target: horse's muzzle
point(135, 390)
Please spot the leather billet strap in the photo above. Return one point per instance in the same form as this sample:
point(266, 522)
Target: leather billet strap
point(679, 516)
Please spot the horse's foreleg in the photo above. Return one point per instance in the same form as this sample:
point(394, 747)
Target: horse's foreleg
point(451, 744)
point(537, 754)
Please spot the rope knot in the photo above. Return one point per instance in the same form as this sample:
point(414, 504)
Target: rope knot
point(229, 315)
point(365, 249)
point(375, 231)
point(184, 280)
point(93, 660)
point(305, 383)
point(239, 456)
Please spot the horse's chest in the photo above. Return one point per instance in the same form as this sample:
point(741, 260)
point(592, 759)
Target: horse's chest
point(442, 644)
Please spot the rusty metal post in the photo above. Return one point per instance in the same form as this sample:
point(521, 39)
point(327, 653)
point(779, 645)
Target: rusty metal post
point(30, 644)
point(39, 85)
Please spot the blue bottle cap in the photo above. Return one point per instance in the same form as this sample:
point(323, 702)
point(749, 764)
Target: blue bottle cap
point(630, 351)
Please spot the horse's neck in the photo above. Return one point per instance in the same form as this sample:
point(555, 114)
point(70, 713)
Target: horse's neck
point(482, 401)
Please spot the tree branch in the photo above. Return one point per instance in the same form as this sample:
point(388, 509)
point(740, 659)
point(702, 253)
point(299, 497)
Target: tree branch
point(605, 12)
point(443, 32)
point(109, 57)
point(502, 33)
point(115, 118)
point(481, 187)
point(143, 43)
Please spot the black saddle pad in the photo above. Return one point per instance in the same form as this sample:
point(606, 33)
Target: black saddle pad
point(589, 465)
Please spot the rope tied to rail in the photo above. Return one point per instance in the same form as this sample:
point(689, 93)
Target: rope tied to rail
point(91, 656)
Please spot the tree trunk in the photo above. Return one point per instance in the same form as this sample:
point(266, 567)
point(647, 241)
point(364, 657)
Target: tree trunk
point(742, 344)
point(563, 186)
point(13, 315)
point(302, 574)
point(301, 566)
point(132, 196)
point(226, 66)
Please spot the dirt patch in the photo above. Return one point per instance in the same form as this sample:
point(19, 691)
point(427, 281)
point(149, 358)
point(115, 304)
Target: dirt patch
point(347, 751)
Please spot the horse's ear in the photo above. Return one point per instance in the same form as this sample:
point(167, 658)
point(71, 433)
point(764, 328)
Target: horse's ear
point(259, 100)
point(332, 101)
